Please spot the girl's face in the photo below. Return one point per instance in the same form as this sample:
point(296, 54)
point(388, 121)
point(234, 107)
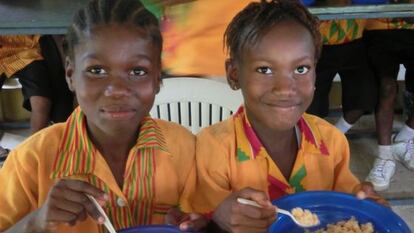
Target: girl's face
point(277, 76)
point(115, 74)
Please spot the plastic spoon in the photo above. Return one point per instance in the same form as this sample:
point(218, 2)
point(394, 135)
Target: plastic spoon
point(278, 210)
point(107, 222)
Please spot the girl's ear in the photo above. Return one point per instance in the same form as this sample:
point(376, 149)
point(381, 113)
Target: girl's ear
point(232, 74)
point(158, 83)
point(69, 69)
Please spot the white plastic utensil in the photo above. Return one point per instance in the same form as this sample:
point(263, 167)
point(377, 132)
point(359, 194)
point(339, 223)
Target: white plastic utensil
point(278, 210)
point(107, 222)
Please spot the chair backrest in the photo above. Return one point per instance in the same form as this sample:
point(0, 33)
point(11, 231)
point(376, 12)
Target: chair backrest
point(195, 102)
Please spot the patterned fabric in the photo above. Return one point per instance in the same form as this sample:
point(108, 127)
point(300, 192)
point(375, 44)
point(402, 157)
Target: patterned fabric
point(230, 157)
point(341, 31)
point(159, 173)
point(16, 52)
point(388, 24)
point(77, 159)
point(249, 147)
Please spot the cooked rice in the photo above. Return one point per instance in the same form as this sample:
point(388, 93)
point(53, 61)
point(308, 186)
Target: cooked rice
point(350, 226)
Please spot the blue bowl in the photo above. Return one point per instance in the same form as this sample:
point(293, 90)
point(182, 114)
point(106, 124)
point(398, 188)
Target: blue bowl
point(152, 229)
point(308, 2)
point(332, 207)
point(368, 2)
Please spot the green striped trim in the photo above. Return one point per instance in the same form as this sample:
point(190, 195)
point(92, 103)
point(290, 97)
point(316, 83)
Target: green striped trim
point(296, 180)
point(76, 156)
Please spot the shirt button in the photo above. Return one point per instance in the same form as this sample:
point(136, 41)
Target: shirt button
point(120, 202)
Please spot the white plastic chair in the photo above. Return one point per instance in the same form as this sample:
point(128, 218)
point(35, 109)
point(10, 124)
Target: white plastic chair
point(195, 102)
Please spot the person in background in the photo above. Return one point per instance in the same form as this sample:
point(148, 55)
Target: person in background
point(270, 147)
point(109, 148)
point(390, 43)
point(344, 53)
point(35, 60)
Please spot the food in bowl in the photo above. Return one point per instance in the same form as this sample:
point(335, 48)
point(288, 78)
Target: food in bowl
point(346, 226)
point(305, 217)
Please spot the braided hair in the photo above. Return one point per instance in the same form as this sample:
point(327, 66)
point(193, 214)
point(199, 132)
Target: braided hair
point(257, 18)
point(104, 12)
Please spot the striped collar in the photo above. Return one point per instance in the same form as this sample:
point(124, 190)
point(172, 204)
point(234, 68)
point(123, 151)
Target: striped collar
point(77, 155)
point(249, 147)
point(309, 135)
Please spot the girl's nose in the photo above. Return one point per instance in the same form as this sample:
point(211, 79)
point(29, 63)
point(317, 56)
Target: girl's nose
point(284, 84)
point(118, 87)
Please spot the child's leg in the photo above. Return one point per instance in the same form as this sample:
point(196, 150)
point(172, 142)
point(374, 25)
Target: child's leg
point(61, 96)
point(325, 73)
point(359, 92)
point(39, 117)
point(403, 146)
point(384, 61)
point(409, 89)
point(36, 94)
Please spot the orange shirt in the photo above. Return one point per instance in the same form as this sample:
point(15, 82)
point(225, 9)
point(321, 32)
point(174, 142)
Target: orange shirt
point(157, 169)
point(16, 52)
point(229, 157)
point(193, 36)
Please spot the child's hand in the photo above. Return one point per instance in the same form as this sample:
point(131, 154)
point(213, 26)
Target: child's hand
point(67, 203)
point(186, 222)
point(366, 190)
point(232, 216)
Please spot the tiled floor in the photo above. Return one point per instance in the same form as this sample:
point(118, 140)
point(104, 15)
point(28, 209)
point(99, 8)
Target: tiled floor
point(405, 209)
point(363, 150)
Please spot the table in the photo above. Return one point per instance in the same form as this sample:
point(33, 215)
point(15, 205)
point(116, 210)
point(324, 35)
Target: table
point(37, 16)
point(364, 11)
point(54, 16)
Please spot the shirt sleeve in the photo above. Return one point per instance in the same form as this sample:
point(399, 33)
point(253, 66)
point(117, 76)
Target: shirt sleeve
point(17, 197)
point(345, 180)
point(213, 172)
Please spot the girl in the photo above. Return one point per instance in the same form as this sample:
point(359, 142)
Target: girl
point(110, 148)
point(270, 145)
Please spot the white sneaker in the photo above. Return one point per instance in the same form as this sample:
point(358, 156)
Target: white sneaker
point(404, 152)
point(381, 173)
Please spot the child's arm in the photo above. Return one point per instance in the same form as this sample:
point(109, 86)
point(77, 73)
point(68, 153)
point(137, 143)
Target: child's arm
point(21, 207)
point(231, 216)
point(345, 180)
point(216, 195)
point(213, 182)
point(366, 190)
point(66, 203)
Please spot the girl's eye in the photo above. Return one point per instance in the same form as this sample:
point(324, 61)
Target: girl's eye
point(97, 71)
point(302, 70)
point(138, 72)
point(264, 70)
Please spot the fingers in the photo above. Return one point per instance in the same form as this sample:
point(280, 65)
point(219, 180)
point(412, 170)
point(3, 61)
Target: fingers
point(247, 218)
point(69, 206)
point(68, 202)
point(247, 221)
point(196, 222)
point(252, 211)
point(173, 216)
point(186, 222)
point(366, 190)
point(61, 215)
point(260, 197)
point(84, 187)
